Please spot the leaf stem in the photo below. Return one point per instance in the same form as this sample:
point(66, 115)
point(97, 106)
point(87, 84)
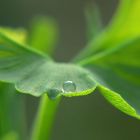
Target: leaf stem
point(44, 119)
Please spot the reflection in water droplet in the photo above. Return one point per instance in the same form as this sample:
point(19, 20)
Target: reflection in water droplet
point(69, 86)
point(53, 93)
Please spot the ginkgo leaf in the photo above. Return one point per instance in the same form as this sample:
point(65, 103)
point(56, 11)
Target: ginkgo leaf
point(117, 72)
point(114, 59)
point(123, 26)
point(35, 73)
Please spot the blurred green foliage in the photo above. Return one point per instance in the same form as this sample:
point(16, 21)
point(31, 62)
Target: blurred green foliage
point(63, 120)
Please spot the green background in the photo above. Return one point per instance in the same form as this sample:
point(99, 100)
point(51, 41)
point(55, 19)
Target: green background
point(80, 118)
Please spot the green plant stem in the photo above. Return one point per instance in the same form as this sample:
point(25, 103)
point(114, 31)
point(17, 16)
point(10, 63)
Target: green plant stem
point(44, 119)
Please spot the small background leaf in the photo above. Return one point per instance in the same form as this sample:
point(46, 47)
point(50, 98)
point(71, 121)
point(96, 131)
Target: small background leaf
point(43, 34)
point(94, 22)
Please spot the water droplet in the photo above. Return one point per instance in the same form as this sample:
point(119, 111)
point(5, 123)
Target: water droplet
point(53, 93)
point(69, 86)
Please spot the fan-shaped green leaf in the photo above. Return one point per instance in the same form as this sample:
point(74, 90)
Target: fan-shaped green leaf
point(36, 74)
point(114, 58)
point(124, 26)
point(118, 101)
point(118, 70)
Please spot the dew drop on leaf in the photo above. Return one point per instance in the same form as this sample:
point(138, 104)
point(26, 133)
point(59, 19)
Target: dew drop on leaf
point(69, 86)
point(53, 93)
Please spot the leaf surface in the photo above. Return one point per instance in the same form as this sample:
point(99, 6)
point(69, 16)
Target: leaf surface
point(123, 26)
point(35, 73)
point(18, 34)
point(114, 59)
point(118, 74)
